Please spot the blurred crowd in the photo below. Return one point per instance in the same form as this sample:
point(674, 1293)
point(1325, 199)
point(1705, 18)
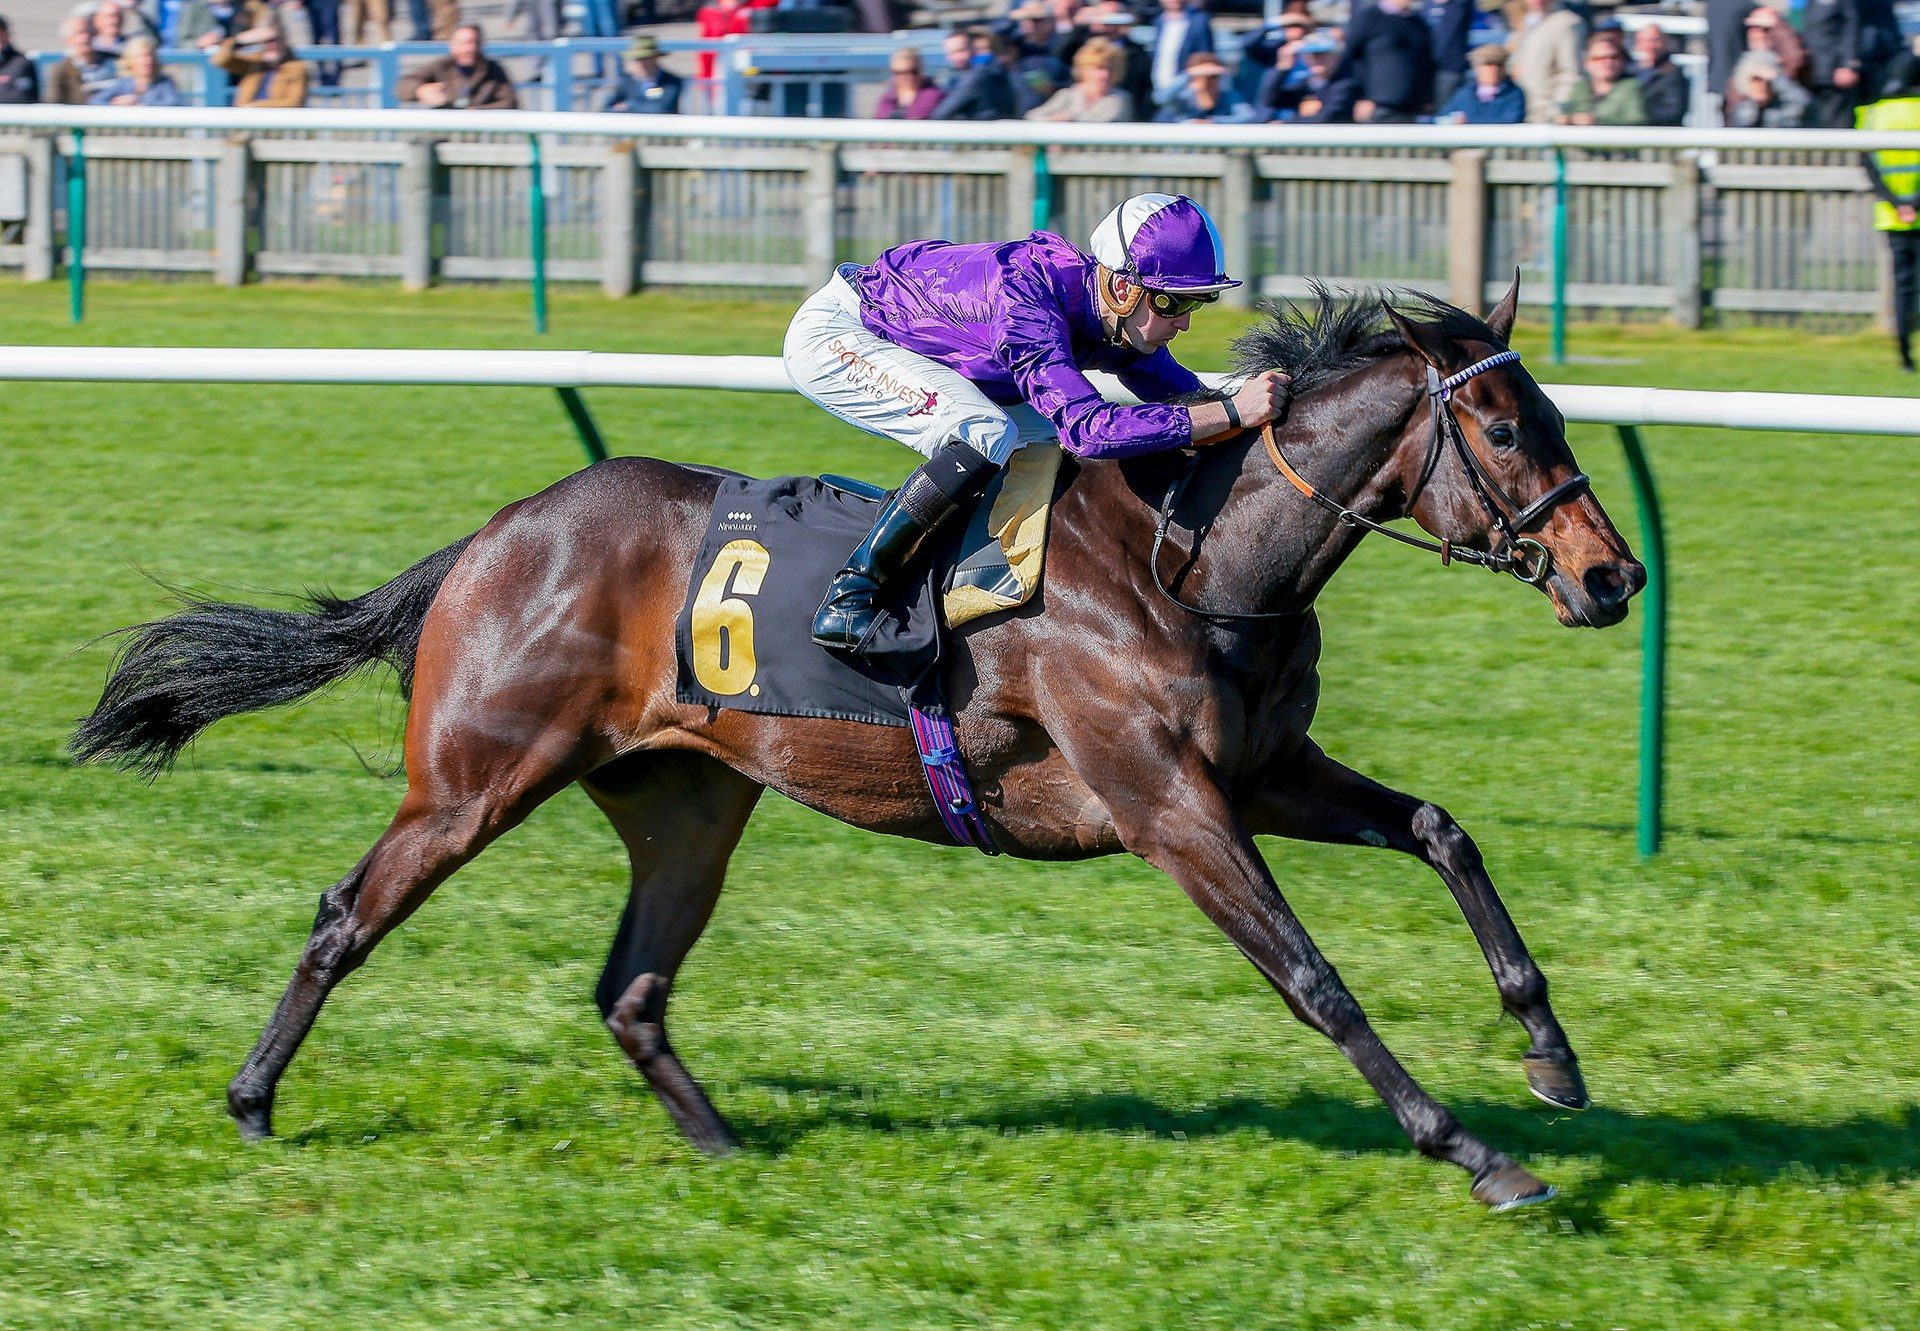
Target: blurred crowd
point(1806, 63)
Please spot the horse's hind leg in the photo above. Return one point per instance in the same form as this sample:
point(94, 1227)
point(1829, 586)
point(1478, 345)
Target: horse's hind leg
point(1317, 799)
point(681, 816)
point(431, 836)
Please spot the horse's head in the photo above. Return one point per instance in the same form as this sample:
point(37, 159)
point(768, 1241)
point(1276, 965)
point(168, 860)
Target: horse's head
point(1486, 466)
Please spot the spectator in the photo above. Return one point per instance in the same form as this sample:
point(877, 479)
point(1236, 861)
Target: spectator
point(265, 71)
point(1390, 61)
point(1726, 39)
point(723, 18)
point(141, 81)
point(132, 21)
point(1450, 24)
point(462, 80)
point(1276, 47)
point(1179, 33)
point(644, 88)
point(19, 80)
point(1544, 55)
point(1037, 73)
point(1767, 31)
point(207, 23)
point(1895, 177)
point(1608, 95)
point(981, 89)
point(1663, 85)
point(1094, 94)
point(1761, 96)
point(1833, 38)
point(1205, 97)
point(1492, 98)
point(910, 94)
point(109, 36)
point(444, 17)
point(1324, 97)
point(372, 22)
point(1114, 21)
point(1880, 46)
point(544, 21)
point(84, 71)
point(295, 22)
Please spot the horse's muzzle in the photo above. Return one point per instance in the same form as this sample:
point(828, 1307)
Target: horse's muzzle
point(1605, 590)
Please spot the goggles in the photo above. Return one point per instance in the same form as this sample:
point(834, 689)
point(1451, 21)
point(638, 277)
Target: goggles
point(1169, 305)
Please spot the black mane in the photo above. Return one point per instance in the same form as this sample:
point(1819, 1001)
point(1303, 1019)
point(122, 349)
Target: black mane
point(1342, 331)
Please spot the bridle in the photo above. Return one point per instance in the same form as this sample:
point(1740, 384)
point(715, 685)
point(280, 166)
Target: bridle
point(1516, 553)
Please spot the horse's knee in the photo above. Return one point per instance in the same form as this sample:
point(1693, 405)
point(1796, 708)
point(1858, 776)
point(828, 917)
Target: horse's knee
point(1446, 843)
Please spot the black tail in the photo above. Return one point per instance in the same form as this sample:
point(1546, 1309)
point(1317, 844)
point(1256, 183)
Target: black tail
point(178, 675)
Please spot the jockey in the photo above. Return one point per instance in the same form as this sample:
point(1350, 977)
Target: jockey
point(925, 343)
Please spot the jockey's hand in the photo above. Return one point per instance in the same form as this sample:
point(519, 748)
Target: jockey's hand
point(1263, 398)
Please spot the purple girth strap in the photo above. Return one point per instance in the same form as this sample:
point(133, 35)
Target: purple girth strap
point(947, 779)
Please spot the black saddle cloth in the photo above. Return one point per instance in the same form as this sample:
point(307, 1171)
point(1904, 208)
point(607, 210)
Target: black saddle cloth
point(744, 636)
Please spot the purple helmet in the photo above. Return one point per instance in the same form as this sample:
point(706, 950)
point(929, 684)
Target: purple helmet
point(1165, 242)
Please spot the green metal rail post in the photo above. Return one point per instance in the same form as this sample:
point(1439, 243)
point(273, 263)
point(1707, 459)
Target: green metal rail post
point(583, 424)
point(1042, 190)
point(1559, 256)
point(537, 223)
point(77, 228)
point(1653, 643)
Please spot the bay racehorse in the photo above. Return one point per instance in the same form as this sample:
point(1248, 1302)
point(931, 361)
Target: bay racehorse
point(1155, 699)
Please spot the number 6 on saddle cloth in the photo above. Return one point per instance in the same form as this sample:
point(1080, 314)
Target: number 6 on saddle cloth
point(743, 639)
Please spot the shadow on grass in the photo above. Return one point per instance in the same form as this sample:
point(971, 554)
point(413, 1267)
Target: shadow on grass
point(1723, 1149)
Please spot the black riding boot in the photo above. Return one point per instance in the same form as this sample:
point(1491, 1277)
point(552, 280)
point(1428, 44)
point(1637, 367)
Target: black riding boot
point(944, 484)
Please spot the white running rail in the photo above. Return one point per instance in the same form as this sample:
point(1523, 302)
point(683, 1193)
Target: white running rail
point(1810, 413)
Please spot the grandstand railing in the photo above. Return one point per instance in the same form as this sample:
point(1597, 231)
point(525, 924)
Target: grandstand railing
point(1626, 408)
point(797, 74)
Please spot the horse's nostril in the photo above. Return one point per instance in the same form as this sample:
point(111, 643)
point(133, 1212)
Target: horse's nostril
point(1611, 584)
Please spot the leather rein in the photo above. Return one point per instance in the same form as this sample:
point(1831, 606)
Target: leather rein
point(1518, 554)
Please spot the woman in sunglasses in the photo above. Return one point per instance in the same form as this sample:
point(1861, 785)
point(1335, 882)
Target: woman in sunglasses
point(930, 341)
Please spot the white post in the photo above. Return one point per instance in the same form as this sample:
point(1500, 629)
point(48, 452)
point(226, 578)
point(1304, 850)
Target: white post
point(1236, 199)
point(1467, 230)
point(230, 178)
point(818, 209)
point(618, 215)
point(38, 263)
point(416, 215)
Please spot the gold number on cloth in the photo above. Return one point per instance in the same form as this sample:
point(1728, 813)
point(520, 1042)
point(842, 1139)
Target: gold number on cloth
point(722, 625)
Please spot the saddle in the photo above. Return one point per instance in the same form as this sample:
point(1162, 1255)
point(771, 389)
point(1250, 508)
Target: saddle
point(743, 639)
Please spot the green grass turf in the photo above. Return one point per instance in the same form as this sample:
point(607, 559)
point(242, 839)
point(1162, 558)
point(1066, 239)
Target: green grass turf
point(975, 1093)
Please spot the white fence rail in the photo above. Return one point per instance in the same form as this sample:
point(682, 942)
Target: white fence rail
point(1593, 404)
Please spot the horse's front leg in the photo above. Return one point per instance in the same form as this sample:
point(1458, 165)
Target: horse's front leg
point(1314, 798)
point(1189, 829)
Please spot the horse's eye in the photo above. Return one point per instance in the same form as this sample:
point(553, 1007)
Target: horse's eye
point(1502, 436)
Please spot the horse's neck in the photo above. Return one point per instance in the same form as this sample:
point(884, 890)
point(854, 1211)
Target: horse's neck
point(1270, 546)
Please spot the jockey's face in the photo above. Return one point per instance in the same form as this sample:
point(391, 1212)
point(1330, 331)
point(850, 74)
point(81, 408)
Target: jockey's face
point(1143, 330)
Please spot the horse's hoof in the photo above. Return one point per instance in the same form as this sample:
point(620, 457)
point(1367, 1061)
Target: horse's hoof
point(1557, 1081)
point(254, 1127)
point(254, 1120)
point(1508, 1187)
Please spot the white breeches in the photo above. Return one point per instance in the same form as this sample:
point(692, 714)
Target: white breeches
point(887, 390)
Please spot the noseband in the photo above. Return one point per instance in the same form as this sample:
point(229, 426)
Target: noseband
point(1517, 553)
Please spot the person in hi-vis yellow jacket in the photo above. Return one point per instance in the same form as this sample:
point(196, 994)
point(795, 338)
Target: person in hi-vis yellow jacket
point(1896, 188)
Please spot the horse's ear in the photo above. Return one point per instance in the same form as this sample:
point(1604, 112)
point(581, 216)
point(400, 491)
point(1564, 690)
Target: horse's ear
point(1417, 336)
point(1500, 317)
